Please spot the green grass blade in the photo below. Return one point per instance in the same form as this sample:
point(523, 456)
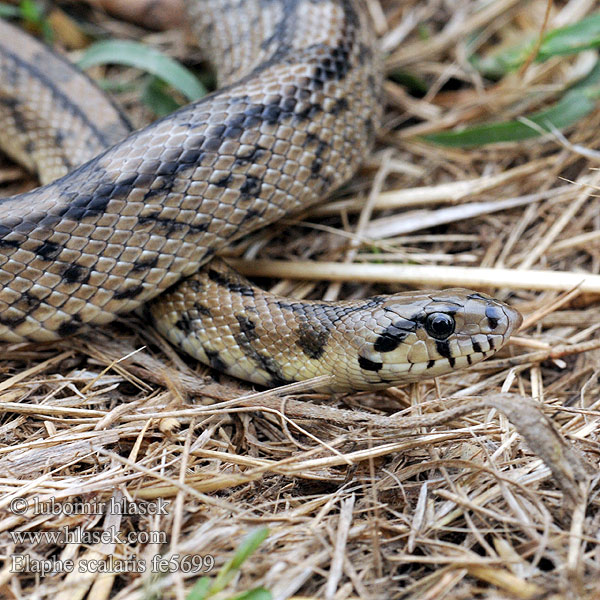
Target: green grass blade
point(135, 54)
point(577, 102)
point(200, 589)
point(575, 105)
point(249, 544)
point(255, 594)
point(571, 39)
point(156, 96)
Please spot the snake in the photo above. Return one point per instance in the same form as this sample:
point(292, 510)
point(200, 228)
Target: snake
point(135, 220)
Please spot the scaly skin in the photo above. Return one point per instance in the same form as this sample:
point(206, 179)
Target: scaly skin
point(297, 112)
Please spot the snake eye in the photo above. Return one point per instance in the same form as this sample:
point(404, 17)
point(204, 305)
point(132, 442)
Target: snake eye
point(439, 325)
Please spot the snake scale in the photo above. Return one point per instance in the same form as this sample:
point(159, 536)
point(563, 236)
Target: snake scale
point(135, 215)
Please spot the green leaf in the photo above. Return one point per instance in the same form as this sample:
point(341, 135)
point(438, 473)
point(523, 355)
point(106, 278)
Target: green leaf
point(577, 102)
point(200, 589)
point(249, 544)
point(571, 39)
point(135, 54)
point(258, 593)
point(32, 13)
point(413, 84)
point(156, 97)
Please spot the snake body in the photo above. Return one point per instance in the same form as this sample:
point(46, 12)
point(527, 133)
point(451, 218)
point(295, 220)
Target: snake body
point(296, 112)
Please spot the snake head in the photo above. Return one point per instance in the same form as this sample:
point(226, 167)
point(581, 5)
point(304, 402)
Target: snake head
point(431, 333)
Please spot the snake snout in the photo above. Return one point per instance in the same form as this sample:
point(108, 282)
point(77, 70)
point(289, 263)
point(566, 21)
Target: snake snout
point(435, 333)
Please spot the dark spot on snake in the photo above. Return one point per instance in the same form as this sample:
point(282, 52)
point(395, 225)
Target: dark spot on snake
point(29, 147)
point(393, 335)
point(9, 102)
point(491, 342)
point(194, 284)
point(476, 346)
point(212, 144)
point(145, 264)
point(251, 156)
point(244, 340)
point(94, 203)
point(248, 215)
point(252, 121)
point(224, 181)
point(168, 169)
point(418, 319)
point(139, 180)
point(215, 361)
point(168, 226)
point(216, 131)
point(274, 114)
point(233, 133)
point(443, 347)
point(251, 186)
point(59, 138)
point(191, 156)
point(236, 120)
point(76, 274)
point(4, 243)
point(340, 105)
point(233, 286)
point(469, 359)
point(430, 364)
point(28, 301)
point(316, 166)
point(307, 114)
point(292, 307)
point(69, 327)
point(272, 368)
point(247, 327)
point(202, 310)
point(12, 322)
point(131, 292)
point(312, 341)
point(493, 314)
point(289, 104)
point(452, 361)
point(48, 250)
point(369, 365)
point(184, 323)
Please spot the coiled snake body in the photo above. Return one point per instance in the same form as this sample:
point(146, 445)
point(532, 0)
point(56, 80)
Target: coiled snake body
point(297, 111)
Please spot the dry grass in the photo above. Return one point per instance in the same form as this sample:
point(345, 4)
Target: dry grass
point(481, 484)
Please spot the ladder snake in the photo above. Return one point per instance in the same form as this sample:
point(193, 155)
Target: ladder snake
point(128, 219)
